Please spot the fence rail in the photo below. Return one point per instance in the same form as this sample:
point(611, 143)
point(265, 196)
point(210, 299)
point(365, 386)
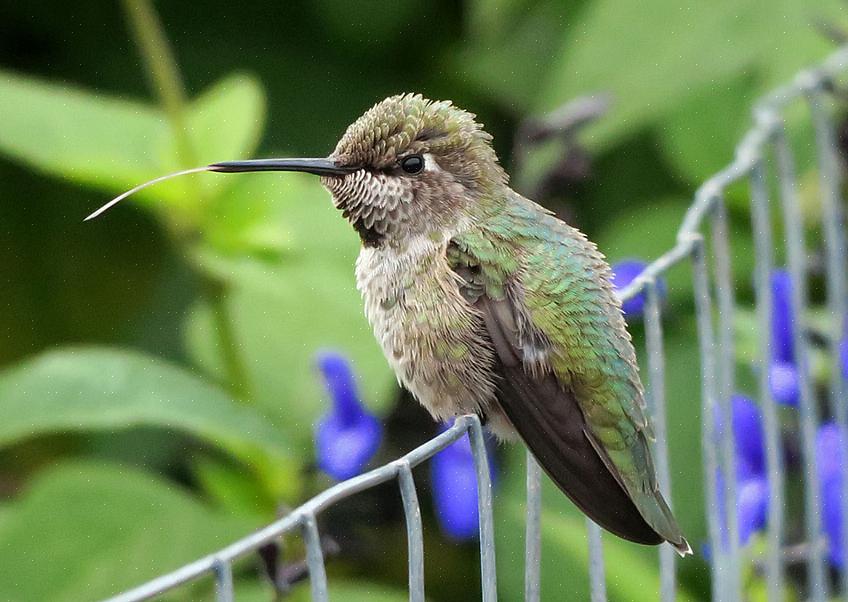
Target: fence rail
point(703, 241)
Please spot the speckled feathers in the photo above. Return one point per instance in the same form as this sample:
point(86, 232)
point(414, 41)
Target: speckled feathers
point(409, 123)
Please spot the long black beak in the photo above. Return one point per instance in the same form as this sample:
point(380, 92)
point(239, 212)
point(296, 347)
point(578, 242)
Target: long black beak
point(319, 167)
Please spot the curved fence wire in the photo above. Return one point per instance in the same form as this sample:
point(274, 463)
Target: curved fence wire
point(765, 163)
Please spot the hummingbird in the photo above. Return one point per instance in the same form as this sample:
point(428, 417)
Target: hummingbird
point(485, 302)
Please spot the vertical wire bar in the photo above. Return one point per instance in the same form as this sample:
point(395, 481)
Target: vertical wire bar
point(315, 559)
point(724, 297)
point(414, 532)
point(656, 399)
point(703, 313)
point(837, 288)
point(761, 222)
point(725, 360)
point(763, 251)
point(796, 258)
point(533, 532)
point(488, 570)
point(597, 579)
point(224, 582)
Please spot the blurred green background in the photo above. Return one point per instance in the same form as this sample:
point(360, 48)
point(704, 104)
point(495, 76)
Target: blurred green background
point(157, 393)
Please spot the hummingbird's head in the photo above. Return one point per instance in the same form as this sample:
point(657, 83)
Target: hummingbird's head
point(416, 167)
point(408, 167)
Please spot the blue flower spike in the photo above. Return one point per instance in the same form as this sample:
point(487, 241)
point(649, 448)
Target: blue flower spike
point(843, 353)
point(782, 318)
point(783, 383)
point(751, 506)
point(831, 466)
point(752, 487)
point(623, 273)
point(748, 437)
point(454, 484)
point(348, 436)
point(783, 372)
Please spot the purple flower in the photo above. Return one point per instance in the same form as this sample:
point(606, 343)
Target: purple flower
point(783, 373)
point(752, 488)
point(454, 481)
point(782, 318)
point(783, 383)
point(348, 436)
point(830, 467)
point(623, 273)
point(843, 354)
point(751, 506)
point(748, 437)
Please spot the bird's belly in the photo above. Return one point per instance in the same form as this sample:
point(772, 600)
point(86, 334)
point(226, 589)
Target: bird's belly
point(429, 335)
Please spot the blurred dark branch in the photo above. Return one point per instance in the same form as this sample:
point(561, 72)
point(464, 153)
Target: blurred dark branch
point(283, 576)
point(564, 124)
point(565, 121)
point(795, 554)
point(832, 32)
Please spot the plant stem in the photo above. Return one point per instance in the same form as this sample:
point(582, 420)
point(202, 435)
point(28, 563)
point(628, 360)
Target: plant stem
point(164, 75)
point(237, 378)
point(163, 72)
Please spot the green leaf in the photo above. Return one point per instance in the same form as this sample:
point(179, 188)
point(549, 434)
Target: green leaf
point(89, 388)
point(699, 137)
point(115, 144)
point(78, 135)
point(233, 488)
point(269, 214)
point(223, 123)
point(651, 58)
point(226, 120)
point(85, 530)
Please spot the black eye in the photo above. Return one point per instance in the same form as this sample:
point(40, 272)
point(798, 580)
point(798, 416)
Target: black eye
point(412, 163)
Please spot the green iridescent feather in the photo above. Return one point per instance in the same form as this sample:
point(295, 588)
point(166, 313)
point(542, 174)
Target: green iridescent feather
point(564, 288)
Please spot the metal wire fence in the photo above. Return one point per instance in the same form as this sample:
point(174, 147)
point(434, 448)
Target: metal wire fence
point(764, 162)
